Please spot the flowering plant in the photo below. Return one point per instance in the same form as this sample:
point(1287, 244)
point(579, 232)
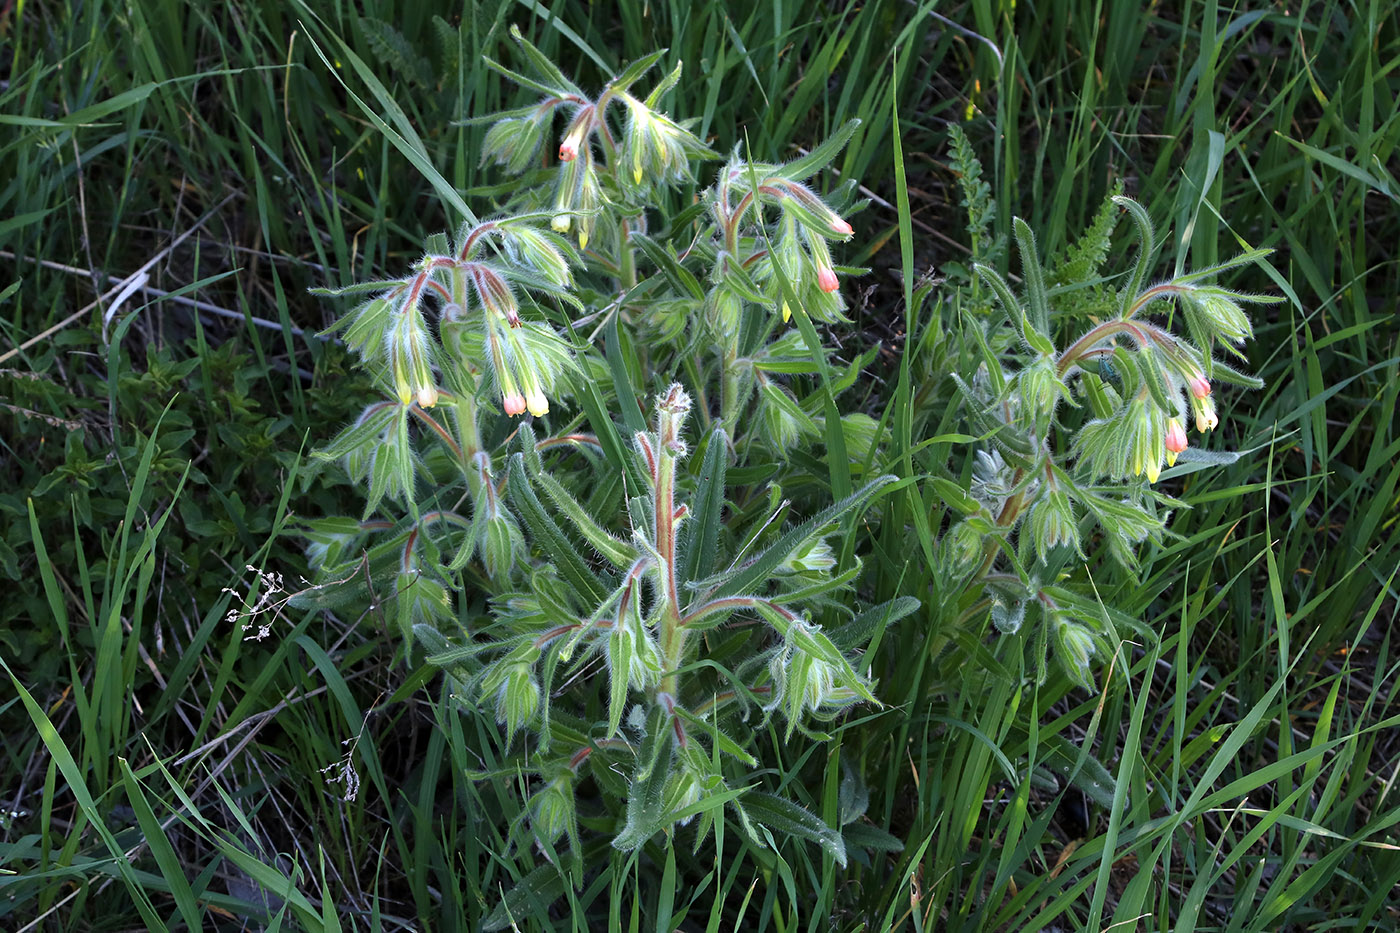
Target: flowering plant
point(1070, 433)
point(612, 554)
point(648, 592)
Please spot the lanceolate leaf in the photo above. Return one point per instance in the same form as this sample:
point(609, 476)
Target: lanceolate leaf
point(548, 535)
point(635, 70)
point(1146, 249)
point(791, 819)
point(547, 69)
point(700, 533)
point(818, 158)
point(619, 553)
point(1034, 276)
point(646, 814)
point(757, 571)
point(863, 627)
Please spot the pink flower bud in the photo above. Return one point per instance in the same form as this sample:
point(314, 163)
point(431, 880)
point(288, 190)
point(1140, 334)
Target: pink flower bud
point(514, 403)
point(841, 227)
point(427, 396)
point(826, 279)
point(1176, 439)
point(568, 149)
point(1200, 388)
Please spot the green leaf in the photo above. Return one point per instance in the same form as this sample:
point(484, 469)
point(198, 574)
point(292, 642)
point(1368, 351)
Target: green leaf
point(394, 51)
point(863, 627)
point(621, 648)
point(954, 495)
point(531, 896)
point(1146, 248)
point(618, 552)
point(646, 814)
point(1032, 337)
point(664, 259)
point(699, 536)
point(543, 65)
point(791, 819)
point(869, 836)
point(1245, 258)
point(402, 134)
point(757, 571)
point(722, 741)
point(547, 535)
point(1034, 276)
point(632, 415)
point(635, 70)
point(818, 158)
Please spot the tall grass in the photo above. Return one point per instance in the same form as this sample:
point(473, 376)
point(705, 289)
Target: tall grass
point(163, 771)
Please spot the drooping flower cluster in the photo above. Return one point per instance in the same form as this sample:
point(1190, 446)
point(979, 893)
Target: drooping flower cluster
point(649, 148)
point(480, 330)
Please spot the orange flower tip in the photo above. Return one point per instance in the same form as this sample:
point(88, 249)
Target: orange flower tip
point(568, 152)
point(514, 403)
point(827, 281)
point(1200, 388)
point(840, 226)
point(537, 404)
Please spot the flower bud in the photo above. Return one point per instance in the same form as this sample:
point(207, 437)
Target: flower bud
point(552, 810)
point(1148, 447)
point(500, 541)
point(803, 204)
point(410, 359)
point(513, 142)
point(632, 643)
point(568, 149)
point(682, 790)
point(783, 420)
point(495, 293)
point(1076, 651)
point(1176, 440)
point(826, 279)
point(654, 147)
point(538, 251)
point(517, 697)
point(814, 556)
point(1051, 523)
point(1040, 386)
point(961, 547)
point(722, 314)
point(1198, 385)
point(1226, 316)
